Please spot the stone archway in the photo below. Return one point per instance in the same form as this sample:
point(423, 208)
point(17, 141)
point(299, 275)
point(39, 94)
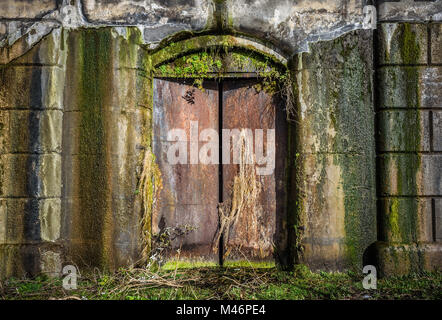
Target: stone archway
point(223, 88)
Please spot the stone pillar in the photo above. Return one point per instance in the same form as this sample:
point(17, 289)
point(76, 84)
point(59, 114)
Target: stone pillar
point(335, 160)
point(409, 145)
point(106, 129)
point(31, 117)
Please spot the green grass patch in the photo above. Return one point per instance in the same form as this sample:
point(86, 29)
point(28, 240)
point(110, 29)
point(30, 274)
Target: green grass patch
point(172, 265)
point(232, 283)
point(249, 264)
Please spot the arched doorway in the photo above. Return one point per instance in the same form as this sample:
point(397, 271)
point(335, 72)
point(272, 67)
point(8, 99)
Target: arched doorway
point(220, 142)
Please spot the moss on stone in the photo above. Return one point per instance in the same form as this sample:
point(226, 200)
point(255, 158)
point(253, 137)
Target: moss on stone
point(94, 57)
point(402, 216)
point(218, 62)
point(336, 126)
point(409, 45)
point(171, 50)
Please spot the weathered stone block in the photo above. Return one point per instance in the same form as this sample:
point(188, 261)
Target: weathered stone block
point(124, 131)
point(24, 175)
point(127, 253)
point(436, 40)
point(337, 207)
point(332, 170)
point(51, 263)
point(49, 176)
point(326, 249)
point(30, 220)
point(14, 172)
point(23, 219)
point(98, 251)
point(404, 10)
point(23, 87)
point(438, 216)
point(410, 87)
point(127, 230)
point(123, 180)
point(336, 109)
point(431, 175)
point(125, 89)
point(406, 220)
point(118, 219)
point(401, 259)
point(19, 260)
point(22, 223)
point(402, 43)
point(171, 15)
point(112, 70)
point(352, 51)
point(127, 42)
point(290, 22)
point(50, 219)
point(131, 90)
point(437, 131)
point(81, 175)
point(3, 221)
point(49, 51)
point(410, 174)
point(3, 30)
point(26, 8)
point(324, 255)
point(23, 131)
point(5, 133)
point(407, 130)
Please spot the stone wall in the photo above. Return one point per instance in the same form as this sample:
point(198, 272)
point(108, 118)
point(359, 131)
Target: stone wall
point(31, 116)
point(75, 122)
point(409, 75)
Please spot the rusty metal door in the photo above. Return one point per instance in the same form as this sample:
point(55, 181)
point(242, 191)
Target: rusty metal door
point(189, 196)
point(253, 236)
point(191, 192)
